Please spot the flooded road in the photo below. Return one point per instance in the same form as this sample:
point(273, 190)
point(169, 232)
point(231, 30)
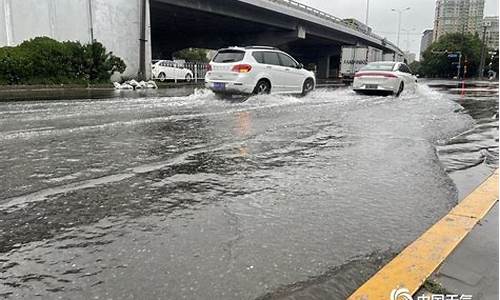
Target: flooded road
point(190, 197)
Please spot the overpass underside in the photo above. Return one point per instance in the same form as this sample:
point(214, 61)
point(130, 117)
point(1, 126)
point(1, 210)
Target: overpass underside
point(176, 25)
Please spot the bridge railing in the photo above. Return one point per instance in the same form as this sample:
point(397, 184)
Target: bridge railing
point(309, 9)
point(326, 16)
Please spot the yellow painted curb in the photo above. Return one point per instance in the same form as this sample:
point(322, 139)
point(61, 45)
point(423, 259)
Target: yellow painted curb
point(420, 259)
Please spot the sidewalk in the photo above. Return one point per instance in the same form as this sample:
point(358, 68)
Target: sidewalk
point(472, 269)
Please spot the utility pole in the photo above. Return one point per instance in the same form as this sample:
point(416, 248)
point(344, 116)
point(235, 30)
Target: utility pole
point(142, 41)
point(400, 12)
point(91, 21)
point(367, 11)
point(483, 49)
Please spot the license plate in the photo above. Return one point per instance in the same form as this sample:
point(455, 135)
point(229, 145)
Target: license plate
point(371, 86)
point(219, 86)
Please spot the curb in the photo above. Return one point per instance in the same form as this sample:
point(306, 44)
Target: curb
point(408, 271)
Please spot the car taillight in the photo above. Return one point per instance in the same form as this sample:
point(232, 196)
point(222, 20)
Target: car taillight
point(379, 74)
point(209, 68)
point(243, 68)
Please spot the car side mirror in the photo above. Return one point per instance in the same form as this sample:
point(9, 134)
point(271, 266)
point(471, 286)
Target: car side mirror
point(300, 66)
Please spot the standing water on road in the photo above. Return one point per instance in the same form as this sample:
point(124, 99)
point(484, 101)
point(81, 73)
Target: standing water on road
point(197, 198)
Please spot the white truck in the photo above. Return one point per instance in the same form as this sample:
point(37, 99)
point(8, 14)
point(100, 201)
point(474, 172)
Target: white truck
point(354, 58)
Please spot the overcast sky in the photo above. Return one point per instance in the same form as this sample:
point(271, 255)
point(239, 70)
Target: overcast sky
point(385, 22)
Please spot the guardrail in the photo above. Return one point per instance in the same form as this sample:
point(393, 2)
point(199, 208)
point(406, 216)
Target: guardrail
point(309, 9)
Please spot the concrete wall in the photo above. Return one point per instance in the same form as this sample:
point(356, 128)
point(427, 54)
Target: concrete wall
point(115, 23)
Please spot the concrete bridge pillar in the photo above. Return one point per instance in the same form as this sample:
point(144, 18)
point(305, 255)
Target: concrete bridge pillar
point(328, 63)
point(323, 71)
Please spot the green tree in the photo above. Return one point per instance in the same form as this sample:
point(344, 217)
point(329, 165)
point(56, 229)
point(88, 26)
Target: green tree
point(192, 54)
point(98, 64)
point(436, 62)
point(416, 67)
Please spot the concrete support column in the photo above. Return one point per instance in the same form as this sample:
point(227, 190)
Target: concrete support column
point(324, 67)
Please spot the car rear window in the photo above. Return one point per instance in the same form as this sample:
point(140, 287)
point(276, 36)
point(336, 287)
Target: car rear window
point(229, 56)
point(378, 67)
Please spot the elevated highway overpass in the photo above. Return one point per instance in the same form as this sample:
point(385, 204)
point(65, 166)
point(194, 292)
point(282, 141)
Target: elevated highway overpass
point(139, 30)
point(309, 34)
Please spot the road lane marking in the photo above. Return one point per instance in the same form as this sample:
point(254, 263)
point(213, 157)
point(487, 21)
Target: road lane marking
point(420, 259)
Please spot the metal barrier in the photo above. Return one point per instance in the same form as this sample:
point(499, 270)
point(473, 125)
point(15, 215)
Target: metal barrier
point(199, 70)
point(309, 10)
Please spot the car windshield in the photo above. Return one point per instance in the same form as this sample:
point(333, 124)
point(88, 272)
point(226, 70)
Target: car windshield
point(227, 56)
point(388, 66)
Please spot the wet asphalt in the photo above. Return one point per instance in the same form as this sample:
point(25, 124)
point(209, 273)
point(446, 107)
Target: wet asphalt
point(183, 196)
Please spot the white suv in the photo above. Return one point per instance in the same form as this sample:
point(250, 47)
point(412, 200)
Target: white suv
point(257, 70)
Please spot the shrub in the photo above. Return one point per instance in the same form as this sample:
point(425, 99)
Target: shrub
point(46, 61)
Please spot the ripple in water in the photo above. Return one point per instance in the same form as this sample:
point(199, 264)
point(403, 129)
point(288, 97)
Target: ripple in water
point(221, 200)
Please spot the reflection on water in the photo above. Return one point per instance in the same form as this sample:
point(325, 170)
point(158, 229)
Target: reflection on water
point(192, 197)
point(243, 129)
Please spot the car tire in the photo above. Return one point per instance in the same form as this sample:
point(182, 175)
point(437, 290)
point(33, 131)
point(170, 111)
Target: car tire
point(189, 77)
point(400, 89)
point(307, 87)
point(162, 77)
point(231, 98)
point(263, 87)
point(220, 96)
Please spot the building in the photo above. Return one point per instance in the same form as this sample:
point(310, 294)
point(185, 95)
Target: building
point(458, 16)
point(491, 38)
point(426, 41)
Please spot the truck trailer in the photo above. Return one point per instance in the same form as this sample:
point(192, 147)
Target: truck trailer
point(353, 58)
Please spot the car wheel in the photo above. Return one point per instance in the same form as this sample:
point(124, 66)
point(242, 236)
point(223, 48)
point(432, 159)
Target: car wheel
point(263, 87)
point(308, 86)
point(400, 89)
point(162, 77)
point(221, 96)
point(188, 77)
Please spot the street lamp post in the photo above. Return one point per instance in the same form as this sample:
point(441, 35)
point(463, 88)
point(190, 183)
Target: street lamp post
point(400, 13)
point(483, 49)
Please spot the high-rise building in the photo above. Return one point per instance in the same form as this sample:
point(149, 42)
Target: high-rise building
point(491, 37)
point(458, 16)
point(426, 41)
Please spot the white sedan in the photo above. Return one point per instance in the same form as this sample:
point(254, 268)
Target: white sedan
point(170, 70)
point(384, 77)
